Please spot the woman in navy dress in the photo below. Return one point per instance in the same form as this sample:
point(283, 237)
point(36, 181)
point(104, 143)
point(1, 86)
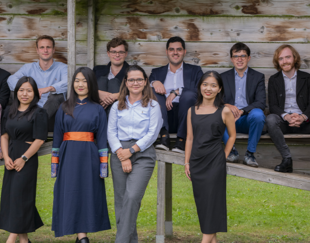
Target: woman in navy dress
point(78, 163)
point(205, 158)
point(24, 130)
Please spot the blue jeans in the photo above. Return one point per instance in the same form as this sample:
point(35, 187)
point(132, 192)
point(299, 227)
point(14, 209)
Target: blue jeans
point(251, 124)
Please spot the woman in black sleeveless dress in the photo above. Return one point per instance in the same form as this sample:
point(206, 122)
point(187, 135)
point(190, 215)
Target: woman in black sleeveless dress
point(24, 130)
point(205, 158)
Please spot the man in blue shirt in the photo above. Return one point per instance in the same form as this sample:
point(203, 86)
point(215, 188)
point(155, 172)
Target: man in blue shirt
point(50, 76)
point(245, 95)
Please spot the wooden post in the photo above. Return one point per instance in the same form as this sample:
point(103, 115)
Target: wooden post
point(91, 34)
point(161, 178)
point(168, 221)
point(71, 42)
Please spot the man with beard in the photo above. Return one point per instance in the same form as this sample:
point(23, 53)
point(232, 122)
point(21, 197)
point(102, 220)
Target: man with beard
point(51, 76)
point(289, 102)
point(175, 86)
point(245, 95)
point(110, 77)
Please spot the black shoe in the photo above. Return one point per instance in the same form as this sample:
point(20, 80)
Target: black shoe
point(29, 241)
point(285, 166)
point(77, 240)
point(179, 146)
point(164, 142)
point(83, 240)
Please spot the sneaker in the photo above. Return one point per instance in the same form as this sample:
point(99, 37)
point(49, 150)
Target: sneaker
point(250, 160)
point(179, 146)
point(233, 156)
point(164, 142)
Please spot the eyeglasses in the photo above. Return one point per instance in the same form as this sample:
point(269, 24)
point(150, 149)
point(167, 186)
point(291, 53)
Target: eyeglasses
point(237, 57)
point(138, 81)
point(114, 53)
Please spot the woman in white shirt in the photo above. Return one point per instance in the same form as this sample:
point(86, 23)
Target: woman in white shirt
point(134, 123)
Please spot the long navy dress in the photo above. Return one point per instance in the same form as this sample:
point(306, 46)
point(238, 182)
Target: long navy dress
point(79, 193)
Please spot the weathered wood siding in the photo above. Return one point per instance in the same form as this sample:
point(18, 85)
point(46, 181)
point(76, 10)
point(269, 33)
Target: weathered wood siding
point(209, 28)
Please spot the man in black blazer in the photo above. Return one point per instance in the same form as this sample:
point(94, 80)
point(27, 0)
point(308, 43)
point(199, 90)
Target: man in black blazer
point(175, 86)
point(245, 95)
point(289, 102)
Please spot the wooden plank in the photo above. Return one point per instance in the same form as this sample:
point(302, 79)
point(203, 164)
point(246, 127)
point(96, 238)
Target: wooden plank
point(248, 29)
point(200, 53)
point(91, 34)
point(71, 43)
point(161, 178)
point(30, 27)
point(168, 201)
point(208, 7)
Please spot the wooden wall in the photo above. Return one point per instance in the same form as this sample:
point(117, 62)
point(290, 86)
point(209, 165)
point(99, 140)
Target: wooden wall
point(209, 28)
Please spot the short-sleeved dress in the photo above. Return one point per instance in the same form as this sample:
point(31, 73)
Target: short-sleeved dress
point(18, 213)
point(79, 194)
point(208, 171)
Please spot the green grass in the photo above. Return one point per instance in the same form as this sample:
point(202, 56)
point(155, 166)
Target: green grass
point(257, 211)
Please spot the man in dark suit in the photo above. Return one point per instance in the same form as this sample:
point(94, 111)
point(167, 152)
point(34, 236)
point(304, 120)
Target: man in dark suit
point(289, 102)
point(110, 76)
point(245, 95)
point(175, 86)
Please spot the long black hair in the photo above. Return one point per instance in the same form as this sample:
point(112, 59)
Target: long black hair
point(33, 104)
point(218, 102)
point(93, 96)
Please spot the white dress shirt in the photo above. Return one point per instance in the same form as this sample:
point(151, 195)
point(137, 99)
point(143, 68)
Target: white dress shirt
point(174, 81)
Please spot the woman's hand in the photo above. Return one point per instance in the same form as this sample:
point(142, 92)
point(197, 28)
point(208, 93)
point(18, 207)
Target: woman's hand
point(123, 154)
point(127, 166)
point(8, 162)
point(19, 164)
point(187, 172)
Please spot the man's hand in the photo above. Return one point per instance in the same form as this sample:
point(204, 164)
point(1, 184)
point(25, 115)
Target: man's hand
point(19, 164)
point(46, 90)
point(159, 87)
point(236, 112)
point(127, 166)
point(295, 120)
point(169, 100)
point(107, 98)
point(123, 154)
point(8, 162)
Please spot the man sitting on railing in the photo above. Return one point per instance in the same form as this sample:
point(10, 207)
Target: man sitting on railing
point(289, 102)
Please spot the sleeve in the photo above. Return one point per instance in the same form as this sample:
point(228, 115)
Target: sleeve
point(197, 77)
point(273, 100)
point(152, 76)
point(57, 140)
point(13, 79)
point(4, 92)
point(62, 85)
point(101, 138)
point(260, 96)
point(156, 123)
point(114, 142)
point(4, 119)
point(40, 125)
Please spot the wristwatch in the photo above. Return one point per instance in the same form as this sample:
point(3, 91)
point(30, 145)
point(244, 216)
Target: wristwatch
point(132, 151)
point(173, 91)
point(24, 158)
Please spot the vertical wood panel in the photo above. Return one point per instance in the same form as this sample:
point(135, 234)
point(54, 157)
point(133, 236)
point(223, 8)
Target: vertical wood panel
point(71, 42)
point(91, 34)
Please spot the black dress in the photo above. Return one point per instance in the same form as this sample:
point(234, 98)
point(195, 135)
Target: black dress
point(18, 213)
point(208, 171)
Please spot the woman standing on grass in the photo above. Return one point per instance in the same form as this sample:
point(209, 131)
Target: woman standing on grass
point(205, 158)
point(80, 165)
point(24, 130)
point(134, 123)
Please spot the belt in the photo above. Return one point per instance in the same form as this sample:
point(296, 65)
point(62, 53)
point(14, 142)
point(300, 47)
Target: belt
point(79, 136)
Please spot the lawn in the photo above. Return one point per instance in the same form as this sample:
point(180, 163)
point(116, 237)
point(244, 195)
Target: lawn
point(257, 211)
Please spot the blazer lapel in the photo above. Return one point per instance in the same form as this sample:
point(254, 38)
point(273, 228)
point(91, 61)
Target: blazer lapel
point(163, 74)
point(281, 87)
point(299, 83)
point(249, 79)
point(186, 75)
point(231, 83)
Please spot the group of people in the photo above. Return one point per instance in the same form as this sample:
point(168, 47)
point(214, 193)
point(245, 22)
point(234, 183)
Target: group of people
point(117, 108)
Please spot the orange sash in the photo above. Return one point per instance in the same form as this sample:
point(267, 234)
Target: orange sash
point(79, 136)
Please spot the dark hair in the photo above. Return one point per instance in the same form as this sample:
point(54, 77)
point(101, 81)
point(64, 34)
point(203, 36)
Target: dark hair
point(218, 102)
point(45, 37)
point(297, 60)
point(33, 104)
point(175, 39)
point(147, 93)
point(93, 96)
point(115, 42)
point(239, 46)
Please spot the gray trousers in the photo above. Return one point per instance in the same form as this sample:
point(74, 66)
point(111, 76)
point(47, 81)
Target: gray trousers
point(129, 189)
point(277, 127)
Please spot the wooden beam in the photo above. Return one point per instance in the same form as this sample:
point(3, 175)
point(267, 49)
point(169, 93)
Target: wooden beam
point(168, 201)
point(161, 178)
point(71, 42)
point(91, 34)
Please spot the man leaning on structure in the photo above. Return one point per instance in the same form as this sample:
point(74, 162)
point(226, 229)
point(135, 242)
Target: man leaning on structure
point(289, 102)
point(50, 76)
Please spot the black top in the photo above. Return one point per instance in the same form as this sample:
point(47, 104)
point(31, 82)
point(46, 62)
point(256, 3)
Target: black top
point(103, 70)
point(23, 130)
point(4, 88)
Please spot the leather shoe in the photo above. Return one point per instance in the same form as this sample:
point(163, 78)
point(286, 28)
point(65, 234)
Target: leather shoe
point(164, 143)
point(83, 240)
point(285, 166)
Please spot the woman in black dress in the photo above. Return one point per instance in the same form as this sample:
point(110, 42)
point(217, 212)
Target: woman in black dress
point(205, 158)
point(24, 130)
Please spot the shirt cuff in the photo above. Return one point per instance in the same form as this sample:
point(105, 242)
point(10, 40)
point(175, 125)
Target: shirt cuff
point(140, 145)
point(283, 115)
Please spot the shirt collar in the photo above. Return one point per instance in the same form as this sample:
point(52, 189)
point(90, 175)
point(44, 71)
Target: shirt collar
point(244, 74)
point(111, 72)
point(178, 70)
point(294, 76)
point(134, 104)
point(49, 69)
